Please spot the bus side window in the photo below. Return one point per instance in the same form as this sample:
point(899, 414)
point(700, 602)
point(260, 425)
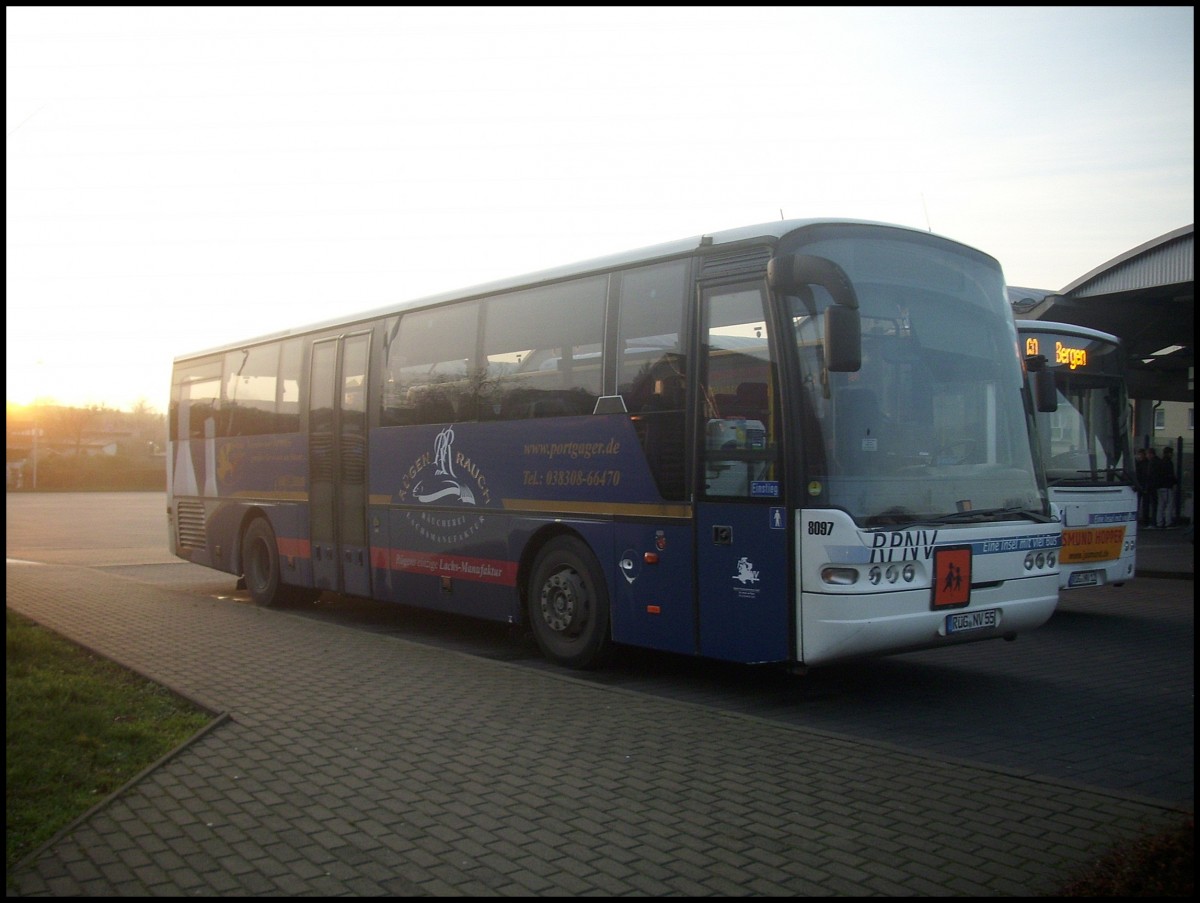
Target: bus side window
point(543, 351)
point(751, 401)
point(250, 400)
point(660, 423)
point(197, 394)
point(200, 412)
point(740, 420)
point(426, 366)
point(287, 417)
point(430, 404)
point(652, 368)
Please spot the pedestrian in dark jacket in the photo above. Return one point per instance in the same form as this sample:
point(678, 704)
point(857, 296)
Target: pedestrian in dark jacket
point(1151, 488)
point(1166, 483)
point(1141, 473)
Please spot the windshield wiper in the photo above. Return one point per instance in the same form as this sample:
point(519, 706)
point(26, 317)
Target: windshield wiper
point(1097, 477)
point(1010, 513)
point(976, 516)
point(1088, 476)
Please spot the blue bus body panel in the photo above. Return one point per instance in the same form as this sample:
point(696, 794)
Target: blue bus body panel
point(275, 466)
point(231, 477)
point(653, 602)
point(414, 572)
point(457, 504)
point(744, 584)
point(572, 461)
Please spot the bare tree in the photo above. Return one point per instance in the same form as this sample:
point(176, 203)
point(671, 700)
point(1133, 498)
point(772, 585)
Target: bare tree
point(70, 424)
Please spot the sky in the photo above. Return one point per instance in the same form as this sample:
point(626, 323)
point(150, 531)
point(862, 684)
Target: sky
point(183, 177)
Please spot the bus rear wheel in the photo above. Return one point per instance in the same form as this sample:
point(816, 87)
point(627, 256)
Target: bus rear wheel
point(260, 568)
point(569, 606)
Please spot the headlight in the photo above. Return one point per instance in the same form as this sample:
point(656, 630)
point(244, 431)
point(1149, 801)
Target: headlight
point(839, 576)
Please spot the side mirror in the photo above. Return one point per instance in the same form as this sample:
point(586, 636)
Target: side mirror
point(1045, 393)
point(843, 340)
point(793, 274)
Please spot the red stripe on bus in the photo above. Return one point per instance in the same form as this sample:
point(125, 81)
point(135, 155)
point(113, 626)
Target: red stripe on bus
point(294, 548)
point(480, 570)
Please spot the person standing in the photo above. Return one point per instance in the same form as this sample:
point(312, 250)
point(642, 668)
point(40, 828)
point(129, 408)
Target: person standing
point(1151, 488)
point(1167, 481)
point(1141, 473)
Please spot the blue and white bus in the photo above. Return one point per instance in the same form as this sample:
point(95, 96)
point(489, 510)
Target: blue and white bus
point(794, 443)
point(1086, 451)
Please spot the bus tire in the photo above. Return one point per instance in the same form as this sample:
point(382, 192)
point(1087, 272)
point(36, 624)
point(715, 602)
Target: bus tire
point(569, 606)
point(260, 566)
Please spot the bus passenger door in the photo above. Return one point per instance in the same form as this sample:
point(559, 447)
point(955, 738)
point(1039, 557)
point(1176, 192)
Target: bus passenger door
point(742, 563)
point(337, 464)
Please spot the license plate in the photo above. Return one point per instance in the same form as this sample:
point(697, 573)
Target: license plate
point(973, 620)
point(1084, 578)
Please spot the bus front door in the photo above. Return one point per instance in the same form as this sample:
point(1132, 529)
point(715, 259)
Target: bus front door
point(742, 571)
point(337, 459)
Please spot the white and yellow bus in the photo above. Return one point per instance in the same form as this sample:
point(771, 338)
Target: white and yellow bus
point(1086, 450)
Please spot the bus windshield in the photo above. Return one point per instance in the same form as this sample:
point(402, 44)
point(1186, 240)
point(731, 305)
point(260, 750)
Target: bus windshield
point(1085, 441)
point(934, 425)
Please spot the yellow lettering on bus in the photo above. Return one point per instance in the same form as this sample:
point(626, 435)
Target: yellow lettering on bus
point(1074, 357)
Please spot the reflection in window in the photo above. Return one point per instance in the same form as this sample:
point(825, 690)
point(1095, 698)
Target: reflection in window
point(195, 399)
point(542, 351)
point(652, 368)
point(288, 400)
point(739, 392)
point(251, 379)
point(542, 357)
point(426, 356)
point(261, 390)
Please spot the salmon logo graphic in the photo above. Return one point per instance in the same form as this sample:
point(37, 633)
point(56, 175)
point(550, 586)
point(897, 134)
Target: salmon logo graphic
point(444, 484)
point(447, 482)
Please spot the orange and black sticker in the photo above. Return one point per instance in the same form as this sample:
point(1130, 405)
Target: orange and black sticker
point(951, 576)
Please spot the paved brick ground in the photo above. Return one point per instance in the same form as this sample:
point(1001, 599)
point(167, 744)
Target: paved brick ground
point(353, 763)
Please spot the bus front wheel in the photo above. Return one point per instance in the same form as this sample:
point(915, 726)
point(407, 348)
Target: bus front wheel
point(568, 605)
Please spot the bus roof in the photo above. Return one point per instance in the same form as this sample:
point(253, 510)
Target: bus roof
point(1066, 329)
point(769, 233)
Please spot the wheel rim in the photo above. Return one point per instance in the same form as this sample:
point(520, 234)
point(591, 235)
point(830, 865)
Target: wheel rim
point(563, 603)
